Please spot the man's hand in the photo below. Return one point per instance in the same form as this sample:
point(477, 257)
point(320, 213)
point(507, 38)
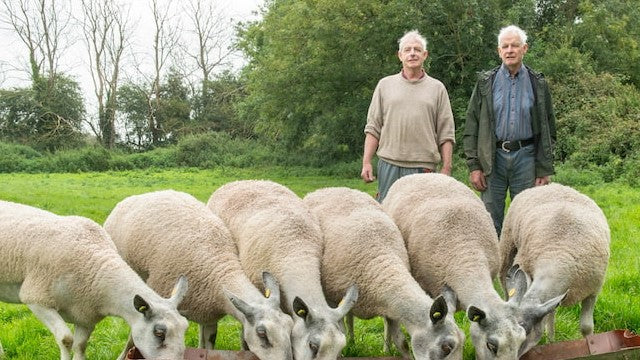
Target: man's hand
point(446, 170)
point(367, 173)
point(477, 180)
point(543, 180)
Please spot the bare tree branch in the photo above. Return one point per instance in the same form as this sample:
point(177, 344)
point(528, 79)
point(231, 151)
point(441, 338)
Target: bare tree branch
point(105, 28)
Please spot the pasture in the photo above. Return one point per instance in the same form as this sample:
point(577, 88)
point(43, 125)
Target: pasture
point(94, 194)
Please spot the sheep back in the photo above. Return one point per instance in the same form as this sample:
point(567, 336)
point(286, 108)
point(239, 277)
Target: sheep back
point(165, 234)
point(43, 251)
point(271, 226)
point(555, 226)
point(447, 230)
point(362, 246)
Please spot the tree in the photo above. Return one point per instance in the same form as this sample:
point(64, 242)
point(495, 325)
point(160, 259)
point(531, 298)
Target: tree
point(105, 32)
point(53, 107)
point(165, 40)
point(43, 117)
point(40, 25)
point(212, 51)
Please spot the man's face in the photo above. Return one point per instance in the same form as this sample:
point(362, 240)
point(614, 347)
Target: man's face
point(512, 51)
point(412, 55)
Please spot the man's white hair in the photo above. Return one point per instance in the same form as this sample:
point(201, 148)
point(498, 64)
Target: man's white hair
point(412, 35)
point(512, 29)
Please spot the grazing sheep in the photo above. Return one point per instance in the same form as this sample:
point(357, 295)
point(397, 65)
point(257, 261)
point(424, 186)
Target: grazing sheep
point(560, 238)
point(66, 268)
point(451, 240)
point(363, 245)
point(275, 231)
point(164, 233)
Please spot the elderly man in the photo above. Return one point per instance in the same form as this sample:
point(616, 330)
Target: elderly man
point(510, 128)
point(410, 123)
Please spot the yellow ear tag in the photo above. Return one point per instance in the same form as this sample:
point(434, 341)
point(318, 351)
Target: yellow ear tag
point(512, 292)
point(341, 302)
point(267, 293)
point(476, 318)
point(142, 308)
point(437, 315)
point(301, 312)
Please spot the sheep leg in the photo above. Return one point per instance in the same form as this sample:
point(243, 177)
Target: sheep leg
point(586, 315)
point(54, 322)
point(128, 346)
point(208, 333)
point(392, 332)
point(350, 333)
point(80, 338)
point(550, 325)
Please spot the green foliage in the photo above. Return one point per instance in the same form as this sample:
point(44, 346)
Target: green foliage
point(47, 116)
point(610, 32)
point(220, 149)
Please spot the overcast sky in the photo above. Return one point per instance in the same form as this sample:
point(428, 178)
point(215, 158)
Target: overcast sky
point(13, 56)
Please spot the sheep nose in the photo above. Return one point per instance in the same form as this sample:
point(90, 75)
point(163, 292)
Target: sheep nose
point(446, 348)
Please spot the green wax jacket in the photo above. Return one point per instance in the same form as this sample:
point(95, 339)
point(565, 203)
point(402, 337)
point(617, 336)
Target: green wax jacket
point(479, 137)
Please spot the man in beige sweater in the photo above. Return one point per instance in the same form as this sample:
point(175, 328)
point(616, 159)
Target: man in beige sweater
point(410, 124)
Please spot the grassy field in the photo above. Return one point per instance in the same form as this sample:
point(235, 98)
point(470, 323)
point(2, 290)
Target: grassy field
point(94, 194)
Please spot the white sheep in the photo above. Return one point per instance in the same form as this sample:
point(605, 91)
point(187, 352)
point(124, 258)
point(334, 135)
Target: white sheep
point(560, 238)
point(451, 240)
point(276, 232)
point(66, 268)
point(365, 247)
point(164, 233)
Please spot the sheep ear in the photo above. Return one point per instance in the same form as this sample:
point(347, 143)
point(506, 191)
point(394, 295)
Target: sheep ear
point(438, 309)
point(348, 301)
point(272, 288)
point(517, 284)
point(300, 308)
point(247, 310)
point(179, 291)
point(475, 314)
point(142, 306)
point(541, 310)
point(451, 297)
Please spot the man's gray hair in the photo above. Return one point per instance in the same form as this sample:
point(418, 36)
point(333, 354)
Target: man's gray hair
point(412, 35)
point(512, 29)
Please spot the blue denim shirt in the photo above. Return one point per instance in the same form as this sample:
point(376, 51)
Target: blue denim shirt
point(512, 104)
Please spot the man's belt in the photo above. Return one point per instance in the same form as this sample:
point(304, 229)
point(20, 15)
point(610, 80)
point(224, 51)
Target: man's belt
point(513, 145)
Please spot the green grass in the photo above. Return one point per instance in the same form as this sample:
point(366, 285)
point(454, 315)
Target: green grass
point(94, 194)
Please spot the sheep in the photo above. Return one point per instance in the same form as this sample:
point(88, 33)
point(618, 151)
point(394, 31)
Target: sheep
point(451, 240)
point(276, 232)
point(164, 233)
point(560, 238)
point(66, 268)
point(363, 244)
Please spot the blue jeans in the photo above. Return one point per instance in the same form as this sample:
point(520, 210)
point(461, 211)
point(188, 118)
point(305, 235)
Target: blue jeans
point(389, 173)
point(514, 170)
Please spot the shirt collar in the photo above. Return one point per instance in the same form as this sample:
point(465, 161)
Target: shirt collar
point(422, 75)
point(505, 71)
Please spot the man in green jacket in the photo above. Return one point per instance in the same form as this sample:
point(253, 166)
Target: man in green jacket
point(510, 128)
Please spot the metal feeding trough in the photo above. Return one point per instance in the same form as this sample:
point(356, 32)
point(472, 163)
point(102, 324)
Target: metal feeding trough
point(615, 344)
point(610, 345)
point(202, 354)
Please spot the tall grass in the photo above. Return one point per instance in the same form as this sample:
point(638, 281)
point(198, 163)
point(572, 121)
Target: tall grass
point(94, 194)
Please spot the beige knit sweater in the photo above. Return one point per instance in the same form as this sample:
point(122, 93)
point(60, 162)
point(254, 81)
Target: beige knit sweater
point(410, 120)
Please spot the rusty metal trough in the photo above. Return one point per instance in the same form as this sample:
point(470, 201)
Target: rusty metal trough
point(615, 344)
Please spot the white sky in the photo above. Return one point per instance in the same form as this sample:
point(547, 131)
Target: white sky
point(74, 61)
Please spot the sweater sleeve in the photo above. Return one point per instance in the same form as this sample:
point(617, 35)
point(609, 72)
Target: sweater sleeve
point(374, 116)
point(445, 126)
